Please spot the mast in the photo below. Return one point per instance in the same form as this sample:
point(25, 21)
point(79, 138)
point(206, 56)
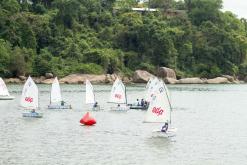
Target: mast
point(168, 98)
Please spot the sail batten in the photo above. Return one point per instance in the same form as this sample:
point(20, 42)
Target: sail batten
point(90, 97)
point(29, 97)
point(3, 88)
point(118, 93)
point(55, 92)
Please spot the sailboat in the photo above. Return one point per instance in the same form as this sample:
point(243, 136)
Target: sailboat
point(118, 96)
point(56, 101)
point(4, 93)
point(90, 97)
point(30, 99)
point(149, 88)
point(159, 110)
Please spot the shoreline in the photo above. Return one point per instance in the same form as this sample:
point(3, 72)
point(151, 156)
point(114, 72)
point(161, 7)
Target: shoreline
point(109, 79)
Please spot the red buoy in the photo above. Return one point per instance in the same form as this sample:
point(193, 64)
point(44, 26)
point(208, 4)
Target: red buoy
point(87, 120)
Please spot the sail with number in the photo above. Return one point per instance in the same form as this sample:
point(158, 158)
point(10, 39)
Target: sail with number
point(90, 97)
point(152, 83)
point(159, 110)
point(118, 93)
point(29, 97)
point(55, 92)
point(3, 88)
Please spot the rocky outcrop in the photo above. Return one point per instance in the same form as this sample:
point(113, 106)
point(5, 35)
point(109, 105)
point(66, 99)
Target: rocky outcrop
point(218, 80)
point(48, 75)
point(13, 80)
point(47, 81)
point(170, 81)
point(141, 76)
point(229, 78)
point(22, 78)
point(194, 80)
point(38, 80)
point(164, 72)
point(81, 78)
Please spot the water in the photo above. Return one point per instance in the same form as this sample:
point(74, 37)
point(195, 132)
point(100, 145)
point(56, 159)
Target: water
point(211, 122)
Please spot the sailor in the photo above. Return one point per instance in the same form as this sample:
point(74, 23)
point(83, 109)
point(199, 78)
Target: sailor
point(33, 111)
point(164, 128)
point(137, 102)
point(62, 103)
point(95, 104)
point(142, 103)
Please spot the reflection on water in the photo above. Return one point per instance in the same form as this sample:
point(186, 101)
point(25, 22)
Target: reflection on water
point(211, 122)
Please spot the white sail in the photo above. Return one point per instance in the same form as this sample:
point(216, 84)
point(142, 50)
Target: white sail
point(90, 98)
point(29, 98)
point(3, 88)
point(159, 110)
point(118, 94)
point(151, 88)
point(55, 92)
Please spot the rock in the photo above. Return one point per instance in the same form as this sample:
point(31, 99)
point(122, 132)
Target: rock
point(141, 76)
point(170, 81)
point(47, 81)
point(13, 80)
point(81, 78)
point(194, 80)
point(48, 75)
point(218, 80)
point(22, 78)
point(38, 80)
point(164, 72)
point(229, 78)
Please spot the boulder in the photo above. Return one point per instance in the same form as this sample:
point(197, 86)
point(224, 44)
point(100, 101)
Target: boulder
point(22, 78)
point(141, 76)
point(170, 81)
point(229, 78)
point(12, 80)
point(218, 80)
point(47, 81)
point(81, 78)
point(48, 75)
point(164, 72)
point(194, 80)
point(38, 80)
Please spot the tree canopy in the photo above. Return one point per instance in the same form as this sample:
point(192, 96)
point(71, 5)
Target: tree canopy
point(194, 37)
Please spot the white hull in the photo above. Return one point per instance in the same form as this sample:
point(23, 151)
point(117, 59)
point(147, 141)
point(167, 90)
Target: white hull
point(96, 108)
point(32, 114)
point(59, 107)
point(120, 109)
point(171, 132)
point(7, 97)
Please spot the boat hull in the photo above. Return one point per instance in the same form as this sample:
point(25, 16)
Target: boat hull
point(59, 107)
point(96, 109)
point(7, 97)
point(32, 114)
point(119, 109)
point(138, 107)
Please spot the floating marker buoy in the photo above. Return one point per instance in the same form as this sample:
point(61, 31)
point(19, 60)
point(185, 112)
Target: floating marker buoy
point(87, 120)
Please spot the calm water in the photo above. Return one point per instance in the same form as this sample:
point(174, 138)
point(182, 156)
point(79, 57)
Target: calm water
point(211, 122)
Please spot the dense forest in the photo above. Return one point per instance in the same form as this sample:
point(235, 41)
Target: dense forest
point(194, 37)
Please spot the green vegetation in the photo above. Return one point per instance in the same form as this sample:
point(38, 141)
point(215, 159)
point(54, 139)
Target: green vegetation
point(194, 37)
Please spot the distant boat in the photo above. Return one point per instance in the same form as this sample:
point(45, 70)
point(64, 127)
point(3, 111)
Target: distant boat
point(4, 93)
point(159, 110)
point(118, 96)
point(90, 96)
point(56, 101)
point(30, 99)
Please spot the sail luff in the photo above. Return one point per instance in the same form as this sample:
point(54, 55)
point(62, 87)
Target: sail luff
point(55, 92)
point(90, 97)
point(3, 88)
